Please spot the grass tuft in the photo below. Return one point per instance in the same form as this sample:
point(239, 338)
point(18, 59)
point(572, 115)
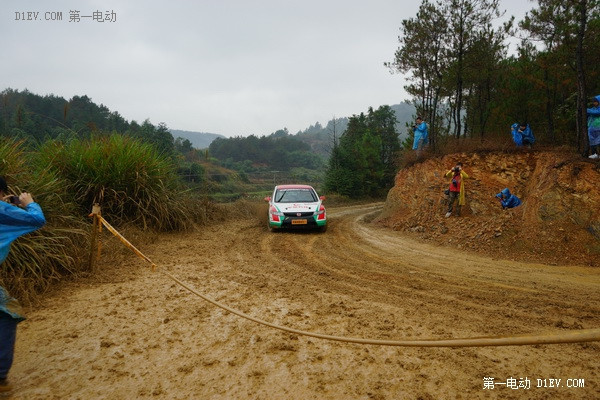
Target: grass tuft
point(130, 180)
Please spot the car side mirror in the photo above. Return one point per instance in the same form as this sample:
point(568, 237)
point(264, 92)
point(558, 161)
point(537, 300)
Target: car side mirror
point(322, 198)
point(267, 199)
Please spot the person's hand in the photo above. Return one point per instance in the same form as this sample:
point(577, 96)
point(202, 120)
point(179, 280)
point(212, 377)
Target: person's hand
point(25, 199)
point(11, 199)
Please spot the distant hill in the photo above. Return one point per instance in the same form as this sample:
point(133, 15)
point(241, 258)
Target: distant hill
point(200, 140)
point(320, 137)
point(404, 113)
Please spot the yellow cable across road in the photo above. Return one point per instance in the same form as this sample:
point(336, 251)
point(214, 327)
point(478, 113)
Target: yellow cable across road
point(577, 336)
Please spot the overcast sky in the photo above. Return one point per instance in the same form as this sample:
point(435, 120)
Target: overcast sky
point(231, 67)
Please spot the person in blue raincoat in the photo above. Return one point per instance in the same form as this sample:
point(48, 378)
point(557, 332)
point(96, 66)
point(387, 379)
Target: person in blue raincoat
point(507, 199)
point(594, 128)
point(18, 215)
point(421, 135)
point(522, 134)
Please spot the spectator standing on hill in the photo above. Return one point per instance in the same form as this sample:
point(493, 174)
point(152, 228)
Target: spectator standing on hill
point(457, 188)
point(421, 135)
point(594, 128)
point(18, 216)
point(507, 199)
point(522, 134)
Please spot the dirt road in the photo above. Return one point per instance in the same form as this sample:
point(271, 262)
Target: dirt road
point(130, 333)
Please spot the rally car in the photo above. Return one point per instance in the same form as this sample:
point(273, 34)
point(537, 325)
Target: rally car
point(296, 206)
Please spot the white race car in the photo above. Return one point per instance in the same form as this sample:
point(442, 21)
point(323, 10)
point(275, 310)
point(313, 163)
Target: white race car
point(296, 206)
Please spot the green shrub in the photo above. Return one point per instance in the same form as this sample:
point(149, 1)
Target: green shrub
point(130, 180)
point(37, 259)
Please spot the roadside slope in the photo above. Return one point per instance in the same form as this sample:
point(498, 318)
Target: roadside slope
point(558, 222)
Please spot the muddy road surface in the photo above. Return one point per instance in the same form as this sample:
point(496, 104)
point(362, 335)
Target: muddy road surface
point(128, 332)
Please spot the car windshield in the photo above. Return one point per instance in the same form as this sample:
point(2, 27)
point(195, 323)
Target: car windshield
point(295, 196)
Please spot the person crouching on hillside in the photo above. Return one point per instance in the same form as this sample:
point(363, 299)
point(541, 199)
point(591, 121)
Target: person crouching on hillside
point(18, 215)
point(507, 199)
point(457, 188)
point(522, 134)
point(594, 128)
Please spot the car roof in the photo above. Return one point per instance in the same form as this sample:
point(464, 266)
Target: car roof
point(293, 187)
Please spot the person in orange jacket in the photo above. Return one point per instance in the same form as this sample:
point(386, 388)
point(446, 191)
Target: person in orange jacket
point(457, 188)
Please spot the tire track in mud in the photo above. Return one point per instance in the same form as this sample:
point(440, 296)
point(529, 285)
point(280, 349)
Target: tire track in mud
point(363, 260)
point(141, 336)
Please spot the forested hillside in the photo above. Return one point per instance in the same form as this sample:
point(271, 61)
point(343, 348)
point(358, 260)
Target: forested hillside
point(321, 138)
point(466, 83)
point(37, 119)
point(199, 140)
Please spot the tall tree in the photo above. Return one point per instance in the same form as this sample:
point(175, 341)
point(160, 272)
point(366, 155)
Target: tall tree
point(362, 163)
point(422, 52)
point(381, 123)
point(466, 19)
point(437, 46)
point(544, 25)
point(562, 26)
point(483, 65)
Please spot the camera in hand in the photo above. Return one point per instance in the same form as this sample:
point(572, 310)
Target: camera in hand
point(14, 200)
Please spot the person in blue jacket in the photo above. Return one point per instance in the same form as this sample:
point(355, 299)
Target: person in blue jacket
point(594, 128)
point(522, 134)
point(18, 215)
point(507, 199)
point(421, 135)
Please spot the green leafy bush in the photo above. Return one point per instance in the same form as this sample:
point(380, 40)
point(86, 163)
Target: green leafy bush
point(37, 259)
point(130, 180)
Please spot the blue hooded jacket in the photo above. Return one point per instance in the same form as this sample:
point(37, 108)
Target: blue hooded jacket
point(594, 124)
point(15, 222)
point(421, 132)
point(521, 138)
point(507, 199)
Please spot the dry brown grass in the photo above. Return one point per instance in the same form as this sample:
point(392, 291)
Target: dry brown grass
point(451, 145)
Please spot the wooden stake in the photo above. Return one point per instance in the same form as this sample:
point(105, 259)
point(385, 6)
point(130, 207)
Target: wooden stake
point(93, 237)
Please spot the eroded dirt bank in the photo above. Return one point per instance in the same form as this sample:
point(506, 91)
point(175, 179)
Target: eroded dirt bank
point(558, 221)
point(130, 333)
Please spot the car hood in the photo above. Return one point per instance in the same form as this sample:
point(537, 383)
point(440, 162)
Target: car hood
point(298, 207)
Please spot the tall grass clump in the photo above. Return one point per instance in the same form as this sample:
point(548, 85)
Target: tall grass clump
point(41, 257)
point(131, 181)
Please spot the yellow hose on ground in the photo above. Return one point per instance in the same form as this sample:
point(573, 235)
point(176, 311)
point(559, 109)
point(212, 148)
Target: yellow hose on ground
point(578, 336)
